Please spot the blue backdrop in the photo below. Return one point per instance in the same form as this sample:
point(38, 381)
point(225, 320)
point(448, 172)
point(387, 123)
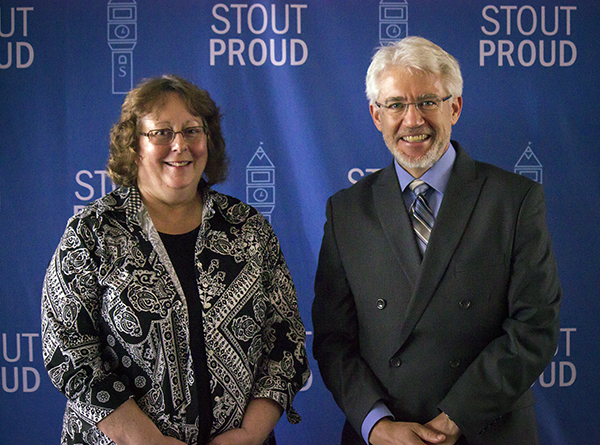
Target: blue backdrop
point(289, 78)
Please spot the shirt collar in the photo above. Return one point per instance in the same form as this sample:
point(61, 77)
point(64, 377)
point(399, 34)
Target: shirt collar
point(437, 176)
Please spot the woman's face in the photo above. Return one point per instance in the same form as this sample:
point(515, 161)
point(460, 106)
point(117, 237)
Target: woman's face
point(171, 172)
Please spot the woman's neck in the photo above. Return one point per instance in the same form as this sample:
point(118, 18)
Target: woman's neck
point(175, 218)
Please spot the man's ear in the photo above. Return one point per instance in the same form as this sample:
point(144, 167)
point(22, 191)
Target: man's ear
point(376, 115)
point(457, 104)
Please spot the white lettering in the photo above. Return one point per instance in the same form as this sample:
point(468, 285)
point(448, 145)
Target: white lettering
point(351, 174)
point(299, 9)
point(533, 20)
point(544, 30)
point(25, 372)
point(236, 51)
point(8, 57)
point(85, 185)
point(80, 179)
point(571, 45)
point(567, 332)
point(508, 9)
point(17, 353)
point(531, 46)
point(544, 53)
point(293, 59)
point(491, 20)
point(265, 19)
point(15, 386)
point(20, 46)
point(526, 20)
point(17, 349)
point(216, 52)
point(258, 52)
point(283, 53)
point(264, 52)
point(36, 375)
point(562, 373)
point(528, 12)
point(25, 11)
point(552, 54)
point(12, 24)
point(221, 18)
point(505, 52)
point(287, 20)
point(13, 21)
point(239, 16)
point(258, 19)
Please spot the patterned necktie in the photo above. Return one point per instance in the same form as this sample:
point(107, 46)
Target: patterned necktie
point(421, 214)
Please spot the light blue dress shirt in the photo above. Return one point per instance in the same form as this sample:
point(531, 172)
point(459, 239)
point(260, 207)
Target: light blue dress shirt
point(437, 178)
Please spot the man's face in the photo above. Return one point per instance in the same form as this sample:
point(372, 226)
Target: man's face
point(416, 139)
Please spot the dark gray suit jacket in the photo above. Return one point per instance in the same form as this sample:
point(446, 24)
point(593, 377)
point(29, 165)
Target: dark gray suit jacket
point(467, 330)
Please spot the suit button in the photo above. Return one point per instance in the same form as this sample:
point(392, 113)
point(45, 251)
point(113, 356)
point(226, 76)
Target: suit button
point(395, 362)
point(464, 304)
point(381, 303)
point(454, 363)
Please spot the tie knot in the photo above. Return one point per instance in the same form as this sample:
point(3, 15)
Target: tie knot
point(418, 187)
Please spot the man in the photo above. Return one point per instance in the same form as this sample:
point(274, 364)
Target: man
point(433, 315)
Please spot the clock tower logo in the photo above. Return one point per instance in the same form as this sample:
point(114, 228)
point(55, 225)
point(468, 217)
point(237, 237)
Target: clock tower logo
point(260, 183)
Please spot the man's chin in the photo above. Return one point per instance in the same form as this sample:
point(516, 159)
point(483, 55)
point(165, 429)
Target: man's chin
point(423, 162)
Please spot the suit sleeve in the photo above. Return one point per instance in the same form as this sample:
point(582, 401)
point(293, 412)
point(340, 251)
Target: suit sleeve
point(336, 334)
point(511, 363)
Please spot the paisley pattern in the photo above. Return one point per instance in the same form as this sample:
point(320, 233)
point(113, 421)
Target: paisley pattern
point(115, 323)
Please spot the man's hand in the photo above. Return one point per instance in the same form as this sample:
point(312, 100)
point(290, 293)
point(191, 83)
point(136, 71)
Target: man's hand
point(388, 432)
point(444, 425)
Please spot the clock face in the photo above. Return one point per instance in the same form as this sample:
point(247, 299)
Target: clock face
point(122, 31)
point(260, 195)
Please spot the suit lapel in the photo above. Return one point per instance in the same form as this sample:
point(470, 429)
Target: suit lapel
point(459, 201)
point(395, 222)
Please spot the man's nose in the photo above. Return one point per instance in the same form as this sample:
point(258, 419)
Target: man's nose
point(412, 116)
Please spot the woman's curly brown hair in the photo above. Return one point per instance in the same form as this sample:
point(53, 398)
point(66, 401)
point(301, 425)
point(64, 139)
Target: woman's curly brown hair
point(143, 100)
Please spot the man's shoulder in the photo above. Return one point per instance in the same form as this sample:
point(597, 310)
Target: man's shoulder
point(364, 186)
point(493, 173)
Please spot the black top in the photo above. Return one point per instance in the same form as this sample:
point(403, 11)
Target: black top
point(181, 250)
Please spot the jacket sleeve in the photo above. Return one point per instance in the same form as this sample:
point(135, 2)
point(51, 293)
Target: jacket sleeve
point(284, 370)
point(336, 334)
point(511, 363)
point(72, 347)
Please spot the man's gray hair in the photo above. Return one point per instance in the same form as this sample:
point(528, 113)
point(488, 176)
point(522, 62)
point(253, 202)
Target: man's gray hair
point(415, 54)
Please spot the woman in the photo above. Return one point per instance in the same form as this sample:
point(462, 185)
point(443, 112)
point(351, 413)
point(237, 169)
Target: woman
point(168, 313)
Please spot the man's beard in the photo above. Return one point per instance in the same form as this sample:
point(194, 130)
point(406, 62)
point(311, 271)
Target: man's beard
point(424, 162)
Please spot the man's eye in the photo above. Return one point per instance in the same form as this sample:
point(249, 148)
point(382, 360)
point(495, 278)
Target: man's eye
point(396, 106)
point(427, 104)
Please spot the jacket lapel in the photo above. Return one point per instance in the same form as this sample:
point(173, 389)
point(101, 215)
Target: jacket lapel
point(395, 222)
point(459, 201)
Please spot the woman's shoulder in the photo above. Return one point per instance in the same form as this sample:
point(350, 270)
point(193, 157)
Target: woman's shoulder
point(120, 203)
point(230, 206)
point(232, 211)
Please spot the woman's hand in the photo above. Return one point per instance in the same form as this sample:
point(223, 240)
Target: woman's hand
point(129, 425)
point(260, 418)
point(238, 436)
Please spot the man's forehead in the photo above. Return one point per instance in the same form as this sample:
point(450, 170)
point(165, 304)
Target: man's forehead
point(402, 83)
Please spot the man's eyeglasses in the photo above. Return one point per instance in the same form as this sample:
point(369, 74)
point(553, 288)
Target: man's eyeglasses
point(425, 106)
point(164, 136)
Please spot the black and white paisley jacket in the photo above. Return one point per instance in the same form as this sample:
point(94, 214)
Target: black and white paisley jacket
point(115, 321)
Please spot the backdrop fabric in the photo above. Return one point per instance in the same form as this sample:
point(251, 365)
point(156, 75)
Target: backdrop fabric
point(289, 79)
